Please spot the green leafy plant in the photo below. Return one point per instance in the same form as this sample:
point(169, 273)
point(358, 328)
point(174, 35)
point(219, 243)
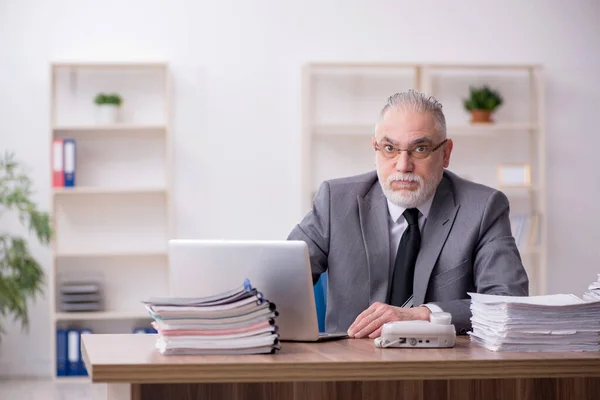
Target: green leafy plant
point(483, 98)
point(21, 276)
point(108, 98)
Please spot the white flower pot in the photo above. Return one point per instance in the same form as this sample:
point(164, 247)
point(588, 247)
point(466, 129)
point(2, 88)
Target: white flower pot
point(107, 114)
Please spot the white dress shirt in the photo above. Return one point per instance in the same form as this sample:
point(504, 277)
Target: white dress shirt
point(397, 224)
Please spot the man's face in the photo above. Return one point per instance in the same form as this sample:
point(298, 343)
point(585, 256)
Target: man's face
point(409, 181)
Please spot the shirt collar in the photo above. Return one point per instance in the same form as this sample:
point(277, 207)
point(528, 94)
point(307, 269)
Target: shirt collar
point(396, 211)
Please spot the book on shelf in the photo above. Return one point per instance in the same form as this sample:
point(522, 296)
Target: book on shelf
point(64, 157)
point(68, 352)
point(238, 321)
point(69, 361)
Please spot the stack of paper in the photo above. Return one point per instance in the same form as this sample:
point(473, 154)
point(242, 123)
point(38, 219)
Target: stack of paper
point(560, 322)
point(593, 293)
point(239, 321)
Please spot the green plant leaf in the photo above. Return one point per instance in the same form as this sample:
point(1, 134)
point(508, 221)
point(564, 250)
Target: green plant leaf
point(482, 98)
point(108, 98)
point(100, 98)
point(21, 276)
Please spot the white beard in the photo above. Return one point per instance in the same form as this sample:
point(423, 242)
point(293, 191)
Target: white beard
point(411, 198)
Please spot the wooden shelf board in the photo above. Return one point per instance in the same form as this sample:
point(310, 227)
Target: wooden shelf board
point(109, 65)
point(483, 66)
point(530, 250)
point(363, 71)
point(100, 315)
point(354, 64)
point(344, 130)
point(468, 129)
point(514, 191)
point(73, 379)
point(493, 127)
point(70, 191)
point(378, 64)
point(111, 128)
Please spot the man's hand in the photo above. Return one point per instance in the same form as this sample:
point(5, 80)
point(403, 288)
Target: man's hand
point(370, 321)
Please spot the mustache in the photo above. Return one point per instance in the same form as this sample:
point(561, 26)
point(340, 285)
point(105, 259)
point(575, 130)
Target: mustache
point(407, 177)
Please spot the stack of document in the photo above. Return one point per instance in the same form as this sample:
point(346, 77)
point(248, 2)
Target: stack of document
point(239, 321)
point(561, 322)
point(593, 293)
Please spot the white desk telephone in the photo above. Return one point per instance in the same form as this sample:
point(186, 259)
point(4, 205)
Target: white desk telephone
point(437, 332)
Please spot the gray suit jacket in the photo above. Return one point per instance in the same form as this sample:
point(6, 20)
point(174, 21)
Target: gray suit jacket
point(466, 246)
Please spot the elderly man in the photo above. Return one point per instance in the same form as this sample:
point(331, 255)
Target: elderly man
point(412, 237)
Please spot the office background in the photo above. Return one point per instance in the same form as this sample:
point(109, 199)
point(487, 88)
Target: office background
point(236, 123)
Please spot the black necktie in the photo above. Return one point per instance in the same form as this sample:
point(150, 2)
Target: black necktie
point(404, 267)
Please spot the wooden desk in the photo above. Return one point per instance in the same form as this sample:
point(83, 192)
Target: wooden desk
point(345, 369)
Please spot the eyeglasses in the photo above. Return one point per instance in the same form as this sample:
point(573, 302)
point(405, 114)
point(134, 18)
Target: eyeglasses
point(418, 152)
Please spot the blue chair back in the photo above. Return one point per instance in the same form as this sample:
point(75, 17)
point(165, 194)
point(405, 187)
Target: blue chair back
point(320, 289)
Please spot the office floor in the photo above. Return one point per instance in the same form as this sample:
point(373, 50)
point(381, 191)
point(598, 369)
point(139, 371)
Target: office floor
point(13, 389)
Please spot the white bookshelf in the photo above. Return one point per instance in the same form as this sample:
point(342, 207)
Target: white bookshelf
point(113, 225)
point(341, 103)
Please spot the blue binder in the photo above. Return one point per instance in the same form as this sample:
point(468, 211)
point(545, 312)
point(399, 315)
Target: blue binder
point(69, 164)
point(73, 352)
point(61, 352)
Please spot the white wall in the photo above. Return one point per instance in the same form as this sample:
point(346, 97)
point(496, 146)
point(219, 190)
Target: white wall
point(236, 67)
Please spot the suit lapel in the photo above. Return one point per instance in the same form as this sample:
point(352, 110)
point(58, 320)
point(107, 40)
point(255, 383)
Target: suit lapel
point(373, 215)
point(436, 230)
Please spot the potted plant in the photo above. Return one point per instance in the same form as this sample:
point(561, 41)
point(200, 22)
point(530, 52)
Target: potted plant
point(21, 276)
point(482, 102)
point(108, 105)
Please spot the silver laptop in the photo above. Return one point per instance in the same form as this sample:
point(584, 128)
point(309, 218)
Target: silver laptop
point(278, 269)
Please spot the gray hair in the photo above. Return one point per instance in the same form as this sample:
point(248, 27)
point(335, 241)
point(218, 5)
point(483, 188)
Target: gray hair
point(419, 102)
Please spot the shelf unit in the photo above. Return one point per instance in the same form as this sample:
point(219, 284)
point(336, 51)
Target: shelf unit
point(114, 224)
point(342, 101)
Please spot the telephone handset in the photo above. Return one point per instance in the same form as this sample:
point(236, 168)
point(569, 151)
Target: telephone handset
point(437, 332)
